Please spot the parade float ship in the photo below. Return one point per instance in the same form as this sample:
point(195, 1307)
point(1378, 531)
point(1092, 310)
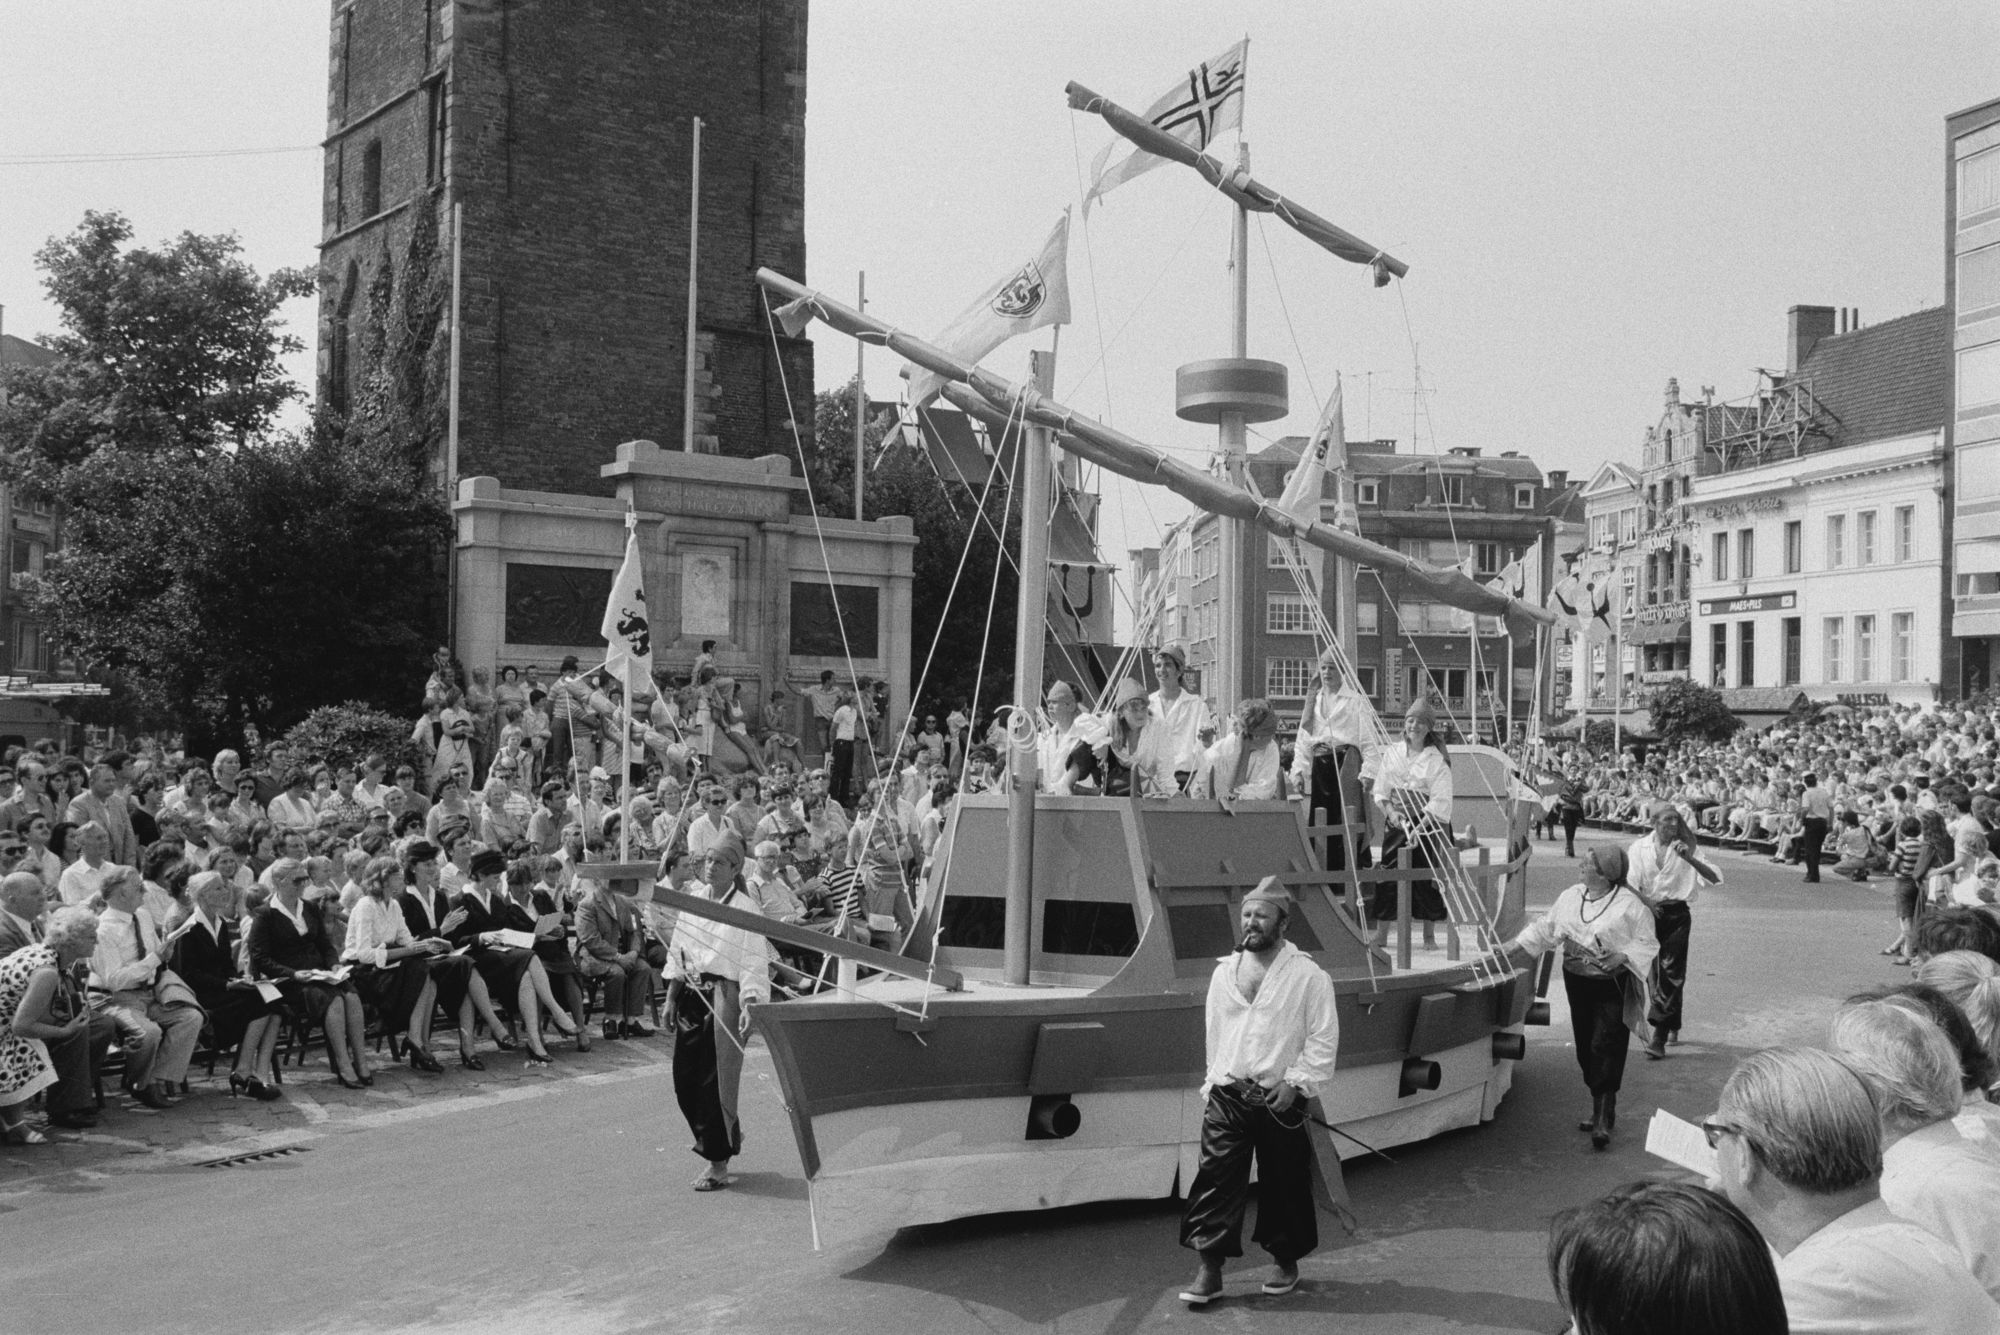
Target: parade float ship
point(1038, 1041)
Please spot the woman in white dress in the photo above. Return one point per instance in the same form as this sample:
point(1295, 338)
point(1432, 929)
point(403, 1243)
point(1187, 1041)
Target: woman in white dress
point(1606, 932)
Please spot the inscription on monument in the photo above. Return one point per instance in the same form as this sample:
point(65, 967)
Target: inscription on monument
point(816, 628)
point(556, 605)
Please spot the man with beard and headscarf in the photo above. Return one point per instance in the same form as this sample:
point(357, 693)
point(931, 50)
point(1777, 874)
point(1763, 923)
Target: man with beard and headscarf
point(1273, 1034)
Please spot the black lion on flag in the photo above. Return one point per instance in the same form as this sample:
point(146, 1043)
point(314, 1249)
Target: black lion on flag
point(637, 632)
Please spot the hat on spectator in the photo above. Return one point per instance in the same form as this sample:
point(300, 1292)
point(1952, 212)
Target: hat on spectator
point(488, 862)
point(598, 774)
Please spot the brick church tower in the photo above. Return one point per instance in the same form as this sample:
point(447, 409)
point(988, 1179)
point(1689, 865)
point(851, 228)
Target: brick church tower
point(563, 128)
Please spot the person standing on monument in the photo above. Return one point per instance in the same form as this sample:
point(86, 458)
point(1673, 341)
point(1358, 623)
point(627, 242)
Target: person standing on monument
point(1273, 1035)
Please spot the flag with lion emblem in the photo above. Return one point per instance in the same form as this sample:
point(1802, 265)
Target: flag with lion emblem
point(1029, 296)
point(628, 634)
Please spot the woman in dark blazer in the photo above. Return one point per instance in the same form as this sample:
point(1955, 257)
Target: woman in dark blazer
point(509, 971)
point(288, 936)
point(204, 955)
point(428, 913)
point(527, 906)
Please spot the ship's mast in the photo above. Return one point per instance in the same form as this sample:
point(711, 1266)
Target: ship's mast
point(1030, 629)
point(1233, 392)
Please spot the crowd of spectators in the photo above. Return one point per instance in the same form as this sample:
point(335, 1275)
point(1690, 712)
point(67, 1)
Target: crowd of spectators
point(156, 905)
point(1895, 793)
point(1857, 1187)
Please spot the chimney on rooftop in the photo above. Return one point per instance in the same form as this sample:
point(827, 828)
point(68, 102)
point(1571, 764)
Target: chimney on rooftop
point(1808, 325)
point(1465, 451)
point(1558, 478)
point(1673, 392)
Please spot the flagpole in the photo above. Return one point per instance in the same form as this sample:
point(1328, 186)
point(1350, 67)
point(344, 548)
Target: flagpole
point(694, 264)
point(625, 778)
point(860, 392)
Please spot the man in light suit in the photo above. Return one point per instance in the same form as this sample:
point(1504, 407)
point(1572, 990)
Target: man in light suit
point(102, 803)
point(157, 1020)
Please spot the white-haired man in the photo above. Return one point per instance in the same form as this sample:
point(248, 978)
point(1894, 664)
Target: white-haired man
point(155, 1013)
point(1798, 1145)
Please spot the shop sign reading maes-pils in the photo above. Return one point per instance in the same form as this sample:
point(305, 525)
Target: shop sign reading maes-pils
point(1763, 602)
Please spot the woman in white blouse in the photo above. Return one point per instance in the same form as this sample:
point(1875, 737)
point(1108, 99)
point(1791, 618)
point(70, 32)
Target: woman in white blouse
point(1413, 790)
point(1606, 932)
point(391, 967)
point(1137, 755)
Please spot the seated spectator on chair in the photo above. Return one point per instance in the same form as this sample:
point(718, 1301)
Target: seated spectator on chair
point(50, 1007)
point(511, 972)
point(1798, 1142)
point(1664, 1256)
point(289, 946)
point(610, 949)
point(536, 911)
point(392, 967)
point(157, 1018)
point(1931, 1175)
point(45, 1036)
point(205, 954)
point(428, 913)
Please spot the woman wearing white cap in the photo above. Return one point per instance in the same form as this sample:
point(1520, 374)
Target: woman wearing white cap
point(1137, 755)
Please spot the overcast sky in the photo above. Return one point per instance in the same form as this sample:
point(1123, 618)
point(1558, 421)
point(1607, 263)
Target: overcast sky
point(1591, 197)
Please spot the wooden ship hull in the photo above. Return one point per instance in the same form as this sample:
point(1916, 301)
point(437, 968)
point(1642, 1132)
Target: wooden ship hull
point(913, 1104)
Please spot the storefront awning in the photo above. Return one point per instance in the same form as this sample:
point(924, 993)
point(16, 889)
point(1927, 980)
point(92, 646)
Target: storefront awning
point(1658, 632)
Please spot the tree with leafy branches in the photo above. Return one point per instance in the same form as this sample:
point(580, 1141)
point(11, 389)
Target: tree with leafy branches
point(223, 572)
point(1686, 710)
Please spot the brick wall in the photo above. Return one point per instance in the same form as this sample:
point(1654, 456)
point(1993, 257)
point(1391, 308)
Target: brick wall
point(568, 129)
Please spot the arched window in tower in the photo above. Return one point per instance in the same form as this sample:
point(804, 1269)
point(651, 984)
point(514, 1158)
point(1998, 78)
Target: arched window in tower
point(345, 339)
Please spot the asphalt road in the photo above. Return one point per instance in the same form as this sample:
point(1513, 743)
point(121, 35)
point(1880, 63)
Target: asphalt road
point(553, 1203)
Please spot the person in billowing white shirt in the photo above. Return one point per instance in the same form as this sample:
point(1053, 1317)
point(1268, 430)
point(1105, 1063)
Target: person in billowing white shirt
point(713, 970)
point(1184, 714)
point(1056, 746)
point(1606, 932)
point(1246, 765)
point(1273, 1034)
point(1798, 1148)
point(1337, 720)
point(1668, 871)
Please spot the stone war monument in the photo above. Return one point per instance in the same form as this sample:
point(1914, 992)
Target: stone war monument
point(538, 159)
point(782, 595)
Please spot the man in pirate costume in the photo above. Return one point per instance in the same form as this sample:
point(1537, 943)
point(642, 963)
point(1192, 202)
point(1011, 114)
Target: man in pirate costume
point(1273, 1034)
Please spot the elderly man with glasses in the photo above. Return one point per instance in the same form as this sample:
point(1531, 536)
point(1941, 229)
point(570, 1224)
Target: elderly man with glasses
point(1798, 1143)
